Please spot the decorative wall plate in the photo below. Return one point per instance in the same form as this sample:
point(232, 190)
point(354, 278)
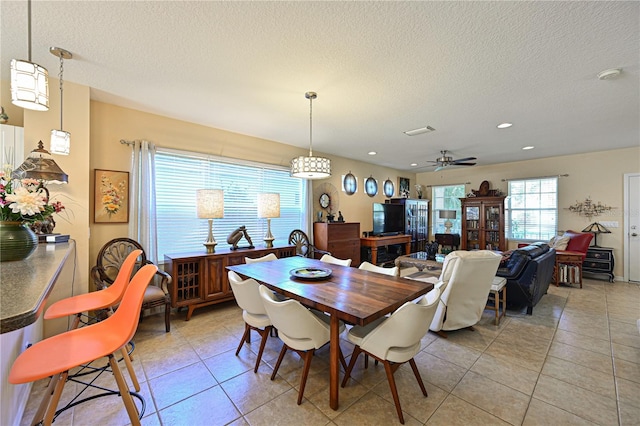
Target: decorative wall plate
point(371, 186)
point(350, 183)
point(388, 188)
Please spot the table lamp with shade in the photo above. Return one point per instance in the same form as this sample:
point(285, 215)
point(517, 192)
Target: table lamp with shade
point(447, 214)
point(268, 207)
point(210, 205)
point(596, 228)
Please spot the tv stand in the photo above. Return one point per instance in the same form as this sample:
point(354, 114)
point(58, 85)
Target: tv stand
point(375, 242)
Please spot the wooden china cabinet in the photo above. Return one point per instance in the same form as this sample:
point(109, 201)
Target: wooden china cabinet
point(483, 223)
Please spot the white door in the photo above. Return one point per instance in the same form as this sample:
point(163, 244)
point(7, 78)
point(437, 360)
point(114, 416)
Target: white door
point(632, 227)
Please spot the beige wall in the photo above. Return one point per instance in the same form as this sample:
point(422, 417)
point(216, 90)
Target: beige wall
point(597, 175)
point(97, 128)
point(37, 126)
point(110, 124)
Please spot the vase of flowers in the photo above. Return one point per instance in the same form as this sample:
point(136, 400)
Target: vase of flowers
point(23, 202)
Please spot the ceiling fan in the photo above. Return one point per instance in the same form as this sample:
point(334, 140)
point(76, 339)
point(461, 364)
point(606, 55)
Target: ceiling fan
point(446, 161)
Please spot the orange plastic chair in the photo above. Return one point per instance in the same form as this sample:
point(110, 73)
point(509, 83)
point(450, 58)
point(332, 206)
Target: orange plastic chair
point(103, 299)
point(56, 355)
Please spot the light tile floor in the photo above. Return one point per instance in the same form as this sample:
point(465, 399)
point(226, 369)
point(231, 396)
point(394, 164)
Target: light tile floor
point(576, 360)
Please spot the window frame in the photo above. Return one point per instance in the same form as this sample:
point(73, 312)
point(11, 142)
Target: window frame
point(448, 203)
point(535, 216)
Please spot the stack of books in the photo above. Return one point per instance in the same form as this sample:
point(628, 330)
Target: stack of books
point(53, 238)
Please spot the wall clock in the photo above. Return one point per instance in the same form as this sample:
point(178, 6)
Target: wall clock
point(327, 196)
point(325, 200)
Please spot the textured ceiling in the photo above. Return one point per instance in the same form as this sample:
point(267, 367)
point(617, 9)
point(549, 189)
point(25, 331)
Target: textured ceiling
point(379, 68)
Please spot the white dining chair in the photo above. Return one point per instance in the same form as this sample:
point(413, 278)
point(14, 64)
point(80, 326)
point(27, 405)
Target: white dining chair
point(300, 329)
point(254, 314)
point(265, 258)
point(379, 269)
point(395, 340)
point(327, 258)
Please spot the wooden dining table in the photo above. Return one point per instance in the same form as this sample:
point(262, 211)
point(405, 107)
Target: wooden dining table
point(349, 294)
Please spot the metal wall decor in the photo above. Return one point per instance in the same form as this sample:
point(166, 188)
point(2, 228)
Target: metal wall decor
point(350, 183)
point(588, 208)
point(388, 188)
point(371, 186)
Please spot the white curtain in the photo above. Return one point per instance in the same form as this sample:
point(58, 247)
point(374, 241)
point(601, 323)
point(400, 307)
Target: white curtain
point(307, 217)
point(142, 209)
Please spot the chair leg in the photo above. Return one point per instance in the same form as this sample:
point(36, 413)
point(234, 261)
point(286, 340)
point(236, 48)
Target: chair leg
point(394, 390)
point(308, 356)
point(265, 335)
point(352, 362)
point(38, 417)
point(61, 379)
point(132, 411)
point(416, 373)
point(167, 316)
point(275, 369)
point(247, 330)
point(132, 373)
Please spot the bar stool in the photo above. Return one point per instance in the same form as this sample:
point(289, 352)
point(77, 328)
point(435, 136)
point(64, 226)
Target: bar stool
point(102, 299)
point(56, 355)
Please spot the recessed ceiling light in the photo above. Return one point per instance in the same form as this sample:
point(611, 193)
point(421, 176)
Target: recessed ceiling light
point(419, 131)
point(414, 164)
point(504, 125)
point(609, 74)
point(372, 153)
point(526, 148)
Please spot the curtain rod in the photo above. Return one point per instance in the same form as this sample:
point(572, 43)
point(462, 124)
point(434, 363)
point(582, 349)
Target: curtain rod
point(537, 177)
point(449, 184)
point(124, 142)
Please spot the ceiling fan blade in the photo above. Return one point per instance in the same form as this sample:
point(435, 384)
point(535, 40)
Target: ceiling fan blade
point(440, 168)
point(464, 159)
point(463, 164)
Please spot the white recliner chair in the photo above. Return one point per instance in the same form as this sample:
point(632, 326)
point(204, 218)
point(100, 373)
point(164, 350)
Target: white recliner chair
point(465, 283)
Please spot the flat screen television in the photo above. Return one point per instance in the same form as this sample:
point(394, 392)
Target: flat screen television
point(388, 219)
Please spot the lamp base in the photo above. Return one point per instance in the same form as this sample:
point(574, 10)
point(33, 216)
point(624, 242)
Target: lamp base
point(211, 246)
point(448, 225)
point(268, 242)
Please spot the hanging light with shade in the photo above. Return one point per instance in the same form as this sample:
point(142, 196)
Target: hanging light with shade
point(311, 167)
point(29, 81)
point(60, 140)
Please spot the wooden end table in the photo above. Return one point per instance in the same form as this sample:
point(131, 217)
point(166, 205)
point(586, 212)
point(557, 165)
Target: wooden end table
point(572, 259)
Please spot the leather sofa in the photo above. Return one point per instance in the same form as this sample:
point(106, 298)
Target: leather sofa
point(529, 271)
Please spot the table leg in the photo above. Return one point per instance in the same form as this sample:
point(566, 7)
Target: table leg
point(334, 362)
point(374, 255)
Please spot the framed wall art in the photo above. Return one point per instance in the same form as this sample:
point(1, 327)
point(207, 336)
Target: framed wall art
point(404, 187)
point(111, 196)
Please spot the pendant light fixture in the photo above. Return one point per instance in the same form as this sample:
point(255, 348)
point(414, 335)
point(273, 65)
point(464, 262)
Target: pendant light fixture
point(311, 167)
point(60, 140)
point(29, 81)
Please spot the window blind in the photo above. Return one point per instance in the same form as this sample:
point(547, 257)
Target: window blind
point(179, 174)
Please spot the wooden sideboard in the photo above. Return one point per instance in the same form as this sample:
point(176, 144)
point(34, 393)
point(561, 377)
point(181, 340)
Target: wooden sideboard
point(375, 242)
point(341, 239)
point(200, 279)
